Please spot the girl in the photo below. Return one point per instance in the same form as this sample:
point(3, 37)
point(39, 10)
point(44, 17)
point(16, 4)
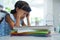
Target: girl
point(22, 10)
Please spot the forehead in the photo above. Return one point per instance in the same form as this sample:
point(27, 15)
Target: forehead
point(23, 11)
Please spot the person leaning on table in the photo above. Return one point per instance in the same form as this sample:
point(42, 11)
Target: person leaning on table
point(17, 15)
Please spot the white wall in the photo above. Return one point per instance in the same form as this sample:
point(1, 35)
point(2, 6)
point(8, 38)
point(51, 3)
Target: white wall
point(56, 12)
point(49, 12)
point(52, 13)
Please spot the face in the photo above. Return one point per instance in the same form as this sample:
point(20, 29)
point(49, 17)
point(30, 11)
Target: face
point(22, 13)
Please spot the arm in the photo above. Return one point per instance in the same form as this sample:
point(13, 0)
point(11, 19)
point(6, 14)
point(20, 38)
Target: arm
point(28, 21)
point(23, 23)
point(9, 21)
point(17, 21)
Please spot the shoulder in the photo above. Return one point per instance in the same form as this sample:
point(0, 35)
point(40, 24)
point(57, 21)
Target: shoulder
point(9, 17)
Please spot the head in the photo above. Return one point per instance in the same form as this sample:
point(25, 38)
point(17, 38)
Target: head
point(21, 6)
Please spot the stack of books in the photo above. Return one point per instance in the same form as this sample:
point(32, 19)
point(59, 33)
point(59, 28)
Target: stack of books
point(32, 32)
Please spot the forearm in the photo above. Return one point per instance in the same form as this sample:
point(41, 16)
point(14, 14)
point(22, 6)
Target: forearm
point(17, 21)
point(23, 23)
point(9, 21)
point(28, 21)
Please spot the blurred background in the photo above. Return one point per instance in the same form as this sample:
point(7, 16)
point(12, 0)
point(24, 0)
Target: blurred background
point(44, 12)
point(40, 10)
